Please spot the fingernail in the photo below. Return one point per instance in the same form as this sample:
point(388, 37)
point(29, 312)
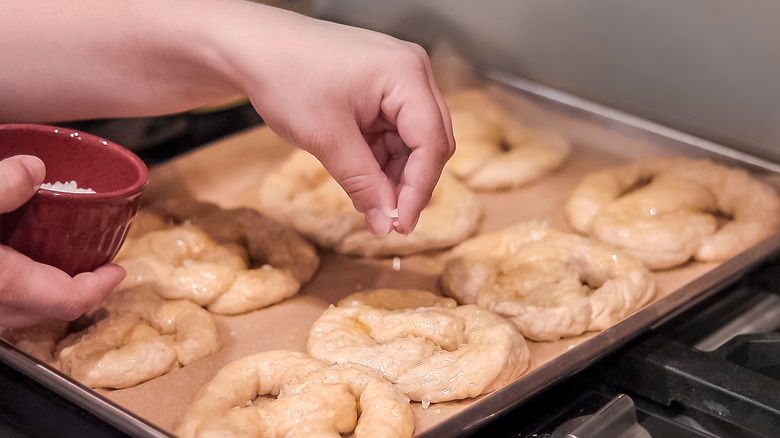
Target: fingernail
point(378, 222)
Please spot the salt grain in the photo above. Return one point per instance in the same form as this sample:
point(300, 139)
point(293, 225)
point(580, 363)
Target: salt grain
point(396, 263)
point(394, 216)
point(65, 187)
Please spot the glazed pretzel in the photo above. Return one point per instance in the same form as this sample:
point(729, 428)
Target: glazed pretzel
point(550, 284)
point(428, 346)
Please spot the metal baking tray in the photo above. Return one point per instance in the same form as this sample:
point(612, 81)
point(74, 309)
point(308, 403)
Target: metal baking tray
point(699, 289)
point(545, 106)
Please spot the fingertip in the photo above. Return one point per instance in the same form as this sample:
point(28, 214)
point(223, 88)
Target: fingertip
point(111, 274)
point(90, 289)
point(413, 223)
point(98, 283)
point(411, 203)
point(406, 226)
point(378, 222)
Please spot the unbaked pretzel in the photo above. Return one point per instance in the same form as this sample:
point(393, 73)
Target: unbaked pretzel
point(436, 353)
point(668, 211)
point(40, 340)
point(136, 336)
point(496, 151)
point(264, 240)
point(550, 284)
point(309, 398)
point(302, 193)
point(183, 262)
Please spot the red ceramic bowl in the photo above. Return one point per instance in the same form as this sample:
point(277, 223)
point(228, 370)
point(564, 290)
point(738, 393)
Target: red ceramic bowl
point(76, 232)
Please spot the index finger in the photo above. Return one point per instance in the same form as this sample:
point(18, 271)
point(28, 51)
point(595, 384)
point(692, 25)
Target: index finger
point(426, 129)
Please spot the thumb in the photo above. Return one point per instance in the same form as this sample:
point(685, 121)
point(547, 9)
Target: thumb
point(20, 177)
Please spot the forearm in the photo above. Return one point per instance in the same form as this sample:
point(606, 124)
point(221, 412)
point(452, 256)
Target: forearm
point(365, 104)
point(70, 60)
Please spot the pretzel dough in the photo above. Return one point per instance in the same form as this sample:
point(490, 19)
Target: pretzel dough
point(144, 222)
point(137, 336)
point(302, 193)
point(494, 150)
point(265, 240)
point(550, 284)
point(667, 211)
point(311, 399)
point(182, 262)
point(435, 353)
point(40, 340)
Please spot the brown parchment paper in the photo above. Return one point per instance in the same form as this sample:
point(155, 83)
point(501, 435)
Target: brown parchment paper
point(222, 171)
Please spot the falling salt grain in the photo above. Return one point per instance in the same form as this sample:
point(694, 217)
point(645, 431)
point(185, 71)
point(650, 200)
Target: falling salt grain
point(396, 263)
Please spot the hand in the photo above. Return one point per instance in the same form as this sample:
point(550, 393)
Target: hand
point(365, 104)
point(29, 291)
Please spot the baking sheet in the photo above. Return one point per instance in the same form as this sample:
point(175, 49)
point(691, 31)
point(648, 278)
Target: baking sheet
point(222, 171)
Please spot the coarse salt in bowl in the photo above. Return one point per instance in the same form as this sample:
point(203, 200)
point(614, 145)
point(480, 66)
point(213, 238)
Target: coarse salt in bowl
point(79, 218)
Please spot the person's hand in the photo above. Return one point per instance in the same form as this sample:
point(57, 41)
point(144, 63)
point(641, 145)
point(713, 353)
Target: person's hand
point(365, 104)
point(29, 291)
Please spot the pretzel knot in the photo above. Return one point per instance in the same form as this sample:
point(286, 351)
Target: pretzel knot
point(495, 151)
point(137, 336)
point(183, 262)
point(668, 211)
point(302, 193)
point(428, 346)
point(550, 284)
point(299, 396)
